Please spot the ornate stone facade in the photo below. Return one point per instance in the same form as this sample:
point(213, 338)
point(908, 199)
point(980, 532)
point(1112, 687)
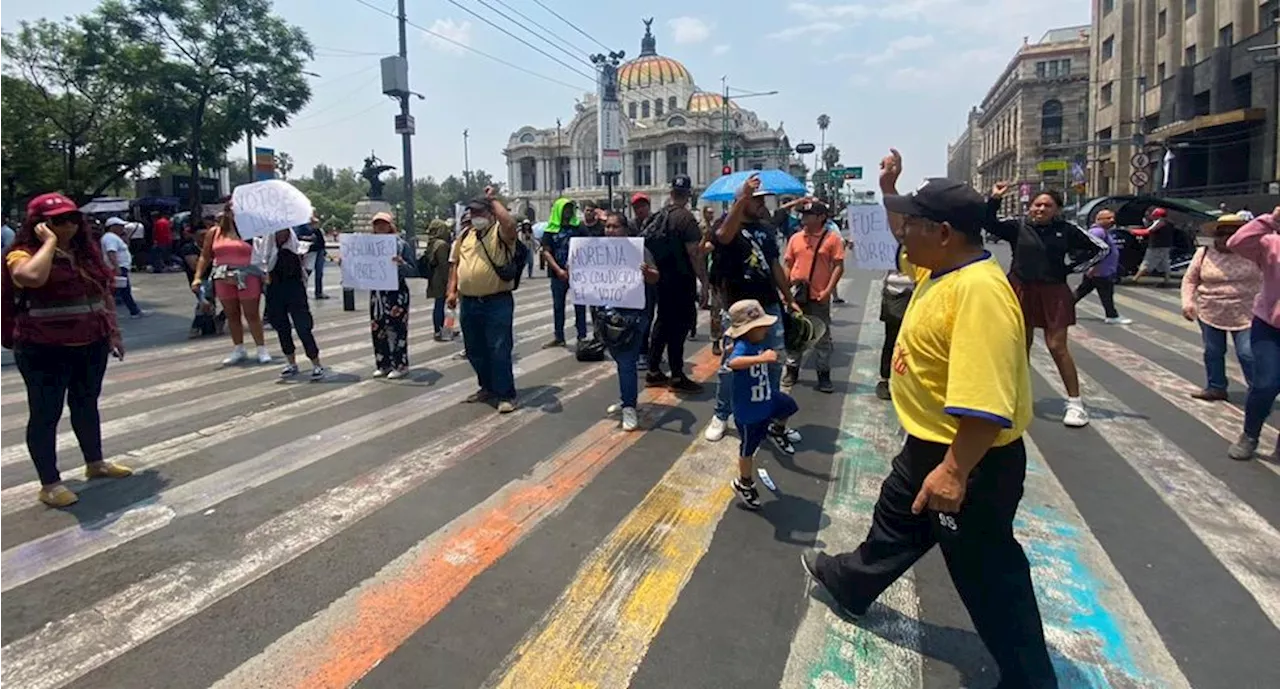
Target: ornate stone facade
point(670, 127)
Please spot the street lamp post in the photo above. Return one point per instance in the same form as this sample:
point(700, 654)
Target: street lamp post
point(466, 158)
point(559, 176)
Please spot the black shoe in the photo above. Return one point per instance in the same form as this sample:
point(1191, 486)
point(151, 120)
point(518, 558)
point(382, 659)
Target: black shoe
point(553, 344)
point(809, 560)
point(656, 378)
point(747, 493)
point(716, 349)
point(824, 382)
point(882, 390)
point(838, 300)
point(778, 434)
point(683, 384)
point(693, 334)
point(790, 375)
point(322, 295)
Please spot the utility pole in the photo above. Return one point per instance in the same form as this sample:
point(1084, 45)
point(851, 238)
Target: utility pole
point(608, 119)
point(559, 176)
point(466, 157)
point(405, 127)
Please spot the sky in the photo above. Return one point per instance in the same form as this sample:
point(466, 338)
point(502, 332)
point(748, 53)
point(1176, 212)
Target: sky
point(901, 74)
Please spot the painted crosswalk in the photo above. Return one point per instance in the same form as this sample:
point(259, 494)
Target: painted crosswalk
point(364, 532)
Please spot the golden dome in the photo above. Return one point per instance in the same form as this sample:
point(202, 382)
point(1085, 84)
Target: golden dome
point(706, 101)
point(651, 69)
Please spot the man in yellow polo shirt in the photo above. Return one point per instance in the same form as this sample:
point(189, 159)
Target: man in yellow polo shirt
point(962, 390)
point(487, 306)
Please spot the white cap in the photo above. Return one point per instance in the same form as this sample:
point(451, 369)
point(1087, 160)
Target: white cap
point(113, 221)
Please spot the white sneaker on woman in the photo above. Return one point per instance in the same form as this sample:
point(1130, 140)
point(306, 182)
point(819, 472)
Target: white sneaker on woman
point(629, 419)
point(1075, 416)
point(264, 357)
point(237, 355)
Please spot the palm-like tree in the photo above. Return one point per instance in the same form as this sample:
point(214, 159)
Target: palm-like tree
point(823, 122)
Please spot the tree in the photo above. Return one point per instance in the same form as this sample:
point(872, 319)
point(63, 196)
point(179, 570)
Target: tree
point(831, 157)
point(284, 164)
point(226, 67)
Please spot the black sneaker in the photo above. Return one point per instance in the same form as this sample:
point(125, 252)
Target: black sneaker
point(683, 384)
point(716, 349)
point(289, 371)
point(790, 375)
point(655, 379)
point(553, 344)
point(747, 493)
point(693, 335)
point(824, 382)
point(809, 560)
point(778, 434)
point(882, 390)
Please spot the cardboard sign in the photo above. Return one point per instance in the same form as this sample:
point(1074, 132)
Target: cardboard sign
point(367, 261)
point(605, 271)
point(874, 246)
point(264, 207)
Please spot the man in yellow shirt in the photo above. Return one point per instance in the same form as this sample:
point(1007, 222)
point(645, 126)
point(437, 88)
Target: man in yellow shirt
point(962, 390)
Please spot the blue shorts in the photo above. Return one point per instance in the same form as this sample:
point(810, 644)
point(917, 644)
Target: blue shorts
point(752, 434)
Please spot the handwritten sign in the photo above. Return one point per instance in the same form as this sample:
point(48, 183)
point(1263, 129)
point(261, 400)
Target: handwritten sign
point(264, 207)
point(874, 247)
point(367, 261)
point(605, 271)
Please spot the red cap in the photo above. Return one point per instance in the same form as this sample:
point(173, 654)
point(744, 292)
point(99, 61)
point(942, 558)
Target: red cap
point(49, 205)
point(1159, 213)
point(638, 197)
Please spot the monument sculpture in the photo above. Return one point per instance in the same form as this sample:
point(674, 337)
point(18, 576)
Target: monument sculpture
point(372, 203)
point(373, 168)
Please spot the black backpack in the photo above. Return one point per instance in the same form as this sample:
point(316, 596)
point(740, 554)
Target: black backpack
point(669, 254)
point(425, 262)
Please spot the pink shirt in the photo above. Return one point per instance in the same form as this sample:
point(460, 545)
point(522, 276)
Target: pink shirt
point(1258, 242)
point(1221, 286)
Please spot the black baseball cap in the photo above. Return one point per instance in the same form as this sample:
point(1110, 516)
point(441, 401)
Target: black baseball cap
point(681, 183)
point(481, 204)
point(815, 207)
point(943, 200)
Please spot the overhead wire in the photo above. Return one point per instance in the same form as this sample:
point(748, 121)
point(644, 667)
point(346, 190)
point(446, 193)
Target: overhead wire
point(531, 46)
point(340, 120)
point(481, 53)
point(581, 55)
point(571, 25)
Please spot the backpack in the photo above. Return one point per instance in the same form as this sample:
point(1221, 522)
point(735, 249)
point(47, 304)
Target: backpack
point(425, 263)
point(512, 270)
point(590, 351)
point(669, 254)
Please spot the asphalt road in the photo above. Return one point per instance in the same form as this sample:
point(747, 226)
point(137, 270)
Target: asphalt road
point(380, 534)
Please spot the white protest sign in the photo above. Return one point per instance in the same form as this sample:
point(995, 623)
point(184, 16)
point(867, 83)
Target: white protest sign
point(367, 261)
point(605, 271)
point(264, 207)
point(874, 247)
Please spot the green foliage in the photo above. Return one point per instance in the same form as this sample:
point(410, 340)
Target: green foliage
point(334, 194)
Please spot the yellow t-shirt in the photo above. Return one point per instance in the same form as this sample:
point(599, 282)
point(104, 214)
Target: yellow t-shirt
point(962, 351)
point(14, 259)
point(476, 276)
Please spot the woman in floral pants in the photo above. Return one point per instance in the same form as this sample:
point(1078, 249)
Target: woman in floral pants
point(389, 310)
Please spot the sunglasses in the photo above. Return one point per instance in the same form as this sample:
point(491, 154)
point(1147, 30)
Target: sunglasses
point(71, 218)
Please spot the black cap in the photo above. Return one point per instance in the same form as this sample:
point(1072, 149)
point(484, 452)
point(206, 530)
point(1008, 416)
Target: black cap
point(816, 207)
point(682, 183)
point(481, 204)
point(943, 200)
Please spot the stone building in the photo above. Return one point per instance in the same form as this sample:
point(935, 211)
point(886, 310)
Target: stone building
point(1032, 126)
point(670, 127)
point(1183, 75)
point(961, 160)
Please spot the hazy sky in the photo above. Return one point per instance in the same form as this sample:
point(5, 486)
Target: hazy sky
point(898, 73)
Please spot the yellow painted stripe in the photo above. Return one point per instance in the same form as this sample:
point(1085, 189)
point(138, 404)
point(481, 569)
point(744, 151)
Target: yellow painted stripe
point(1168, 316)
point(599, 630)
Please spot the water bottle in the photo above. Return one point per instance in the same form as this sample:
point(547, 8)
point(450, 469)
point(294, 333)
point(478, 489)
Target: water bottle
point(450, 323)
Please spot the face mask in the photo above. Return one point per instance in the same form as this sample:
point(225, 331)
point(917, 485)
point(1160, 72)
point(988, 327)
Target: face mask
point(481, 224)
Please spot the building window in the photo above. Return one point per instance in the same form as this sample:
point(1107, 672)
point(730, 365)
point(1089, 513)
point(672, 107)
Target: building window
point(644, 109)
point(644, 168)
point(1189, 56)
point(1106, 96)
point(631, 109)
point(528, 174)
point(1162, 23)
point(1042, 69)
point(677, 160)
point(1190, 10)
point(671, 103)
point(526, 138)
point(1104, 135)
point(1051, 122)
point(1160, 73)
point(1108, 48)
point(1065, 67)
point(676, 121)
point(1226, 36)
point(1107, 6)
point(562, 173)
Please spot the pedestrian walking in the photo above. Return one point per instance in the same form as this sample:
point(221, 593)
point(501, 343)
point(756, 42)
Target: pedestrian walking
point(288, 308)
point(389, 309)
point(1104, 275)
point(116, 252)
point(60, 321)
point(530, 243)
point(746, 264)
point(319, 247)
point(1046, 249)
point(760, 407)
point(481, 285)
point(436, 259)
point(715, 298)
point(161, 241)
point(672, 238)
point(1160, 236)
point(899, 283)
point(620, 330)
point(962, 390)
point(641, 212)
point(237, 283)
point(814, 259)
point(563, 225)
point(1257, 241)
point(1218, 291)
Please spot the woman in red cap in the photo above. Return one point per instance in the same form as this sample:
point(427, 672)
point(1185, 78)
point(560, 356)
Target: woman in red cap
point(60, 320)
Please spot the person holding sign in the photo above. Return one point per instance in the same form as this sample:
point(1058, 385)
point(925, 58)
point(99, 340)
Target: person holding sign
point(287, 305)
point(237, 283)
point(389, 309)
point(621, 331)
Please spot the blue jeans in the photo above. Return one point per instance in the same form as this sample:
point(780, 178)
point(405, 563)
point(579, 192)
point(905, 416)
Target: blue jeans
point(559, 294)
point(437, 315)
point(775, 341)
point(125, 294)
point(1215, 354)
point(628, 361)
point(531, 253)
point(487, 331)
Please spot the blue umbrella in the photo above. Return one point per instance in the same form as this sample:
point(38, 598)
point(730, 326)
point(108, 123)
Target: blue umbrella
point(773, 181)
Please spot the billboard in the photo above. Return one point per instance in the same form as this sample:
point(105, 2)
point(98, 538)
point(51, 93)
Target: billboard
point(264, 164)
point(609, 122)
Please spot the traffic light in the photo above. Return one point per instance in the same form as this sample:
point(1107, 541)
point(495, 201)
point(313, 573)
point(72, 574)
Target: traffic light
point(726, 170)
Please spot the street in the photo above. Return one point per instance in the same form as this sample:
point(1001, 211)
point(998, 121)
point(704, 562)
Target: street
point(376, 533)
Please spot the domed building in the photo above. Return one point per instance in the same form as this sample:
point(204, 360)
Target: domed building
point(670, 127)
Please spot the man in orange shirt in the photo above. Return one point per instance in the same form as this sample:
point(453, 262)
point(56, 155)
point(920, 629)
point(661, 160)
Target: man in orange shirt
point(814, 259)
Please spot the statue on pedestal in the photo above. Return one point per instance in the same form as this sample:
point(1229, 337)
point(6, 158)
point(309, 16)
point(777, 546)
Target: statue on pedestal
point(373, 167)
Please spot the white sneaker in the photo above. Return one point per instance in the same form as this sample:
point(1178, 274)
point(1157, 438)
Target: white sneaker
point(378, 373)
point(794, 436)
point(1076, 416)
point(237, 355)
point(317, 372)
point(715, 429)
point(1118, 320)
point(614, 408)
point(397, 374)
point(629, 419)
point(264, 357)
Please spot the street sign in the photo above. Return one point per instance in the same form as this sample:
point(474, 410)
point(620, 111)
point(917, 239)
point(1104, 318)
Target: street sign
point(1139, 179)
point(803, 149)
point(1140, 160)
point(853, 173)
point(1051, 166)
point(835, 173)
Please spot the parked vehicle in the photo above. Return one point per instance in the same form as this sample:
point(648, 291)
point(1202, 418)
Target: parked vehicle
point(1187, 216)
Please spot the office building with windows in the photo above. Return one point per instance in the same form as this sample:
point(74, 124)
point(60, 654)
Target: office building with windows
point(670, 126)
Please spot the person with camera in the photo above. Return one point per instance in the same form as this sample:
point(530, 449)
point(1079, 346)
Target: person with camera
point(814, 258)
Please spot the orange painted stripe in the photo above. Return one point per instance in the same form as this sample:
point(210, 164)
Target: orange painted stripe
point(384, 614)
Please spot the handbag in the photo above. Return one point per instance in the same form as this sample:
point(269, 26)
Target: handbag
point(512, 269)
point(800, 292)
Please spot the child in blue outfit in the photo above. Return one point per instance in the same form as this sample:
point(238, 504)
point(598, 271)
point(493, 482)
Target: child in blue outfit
point(760, 408)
